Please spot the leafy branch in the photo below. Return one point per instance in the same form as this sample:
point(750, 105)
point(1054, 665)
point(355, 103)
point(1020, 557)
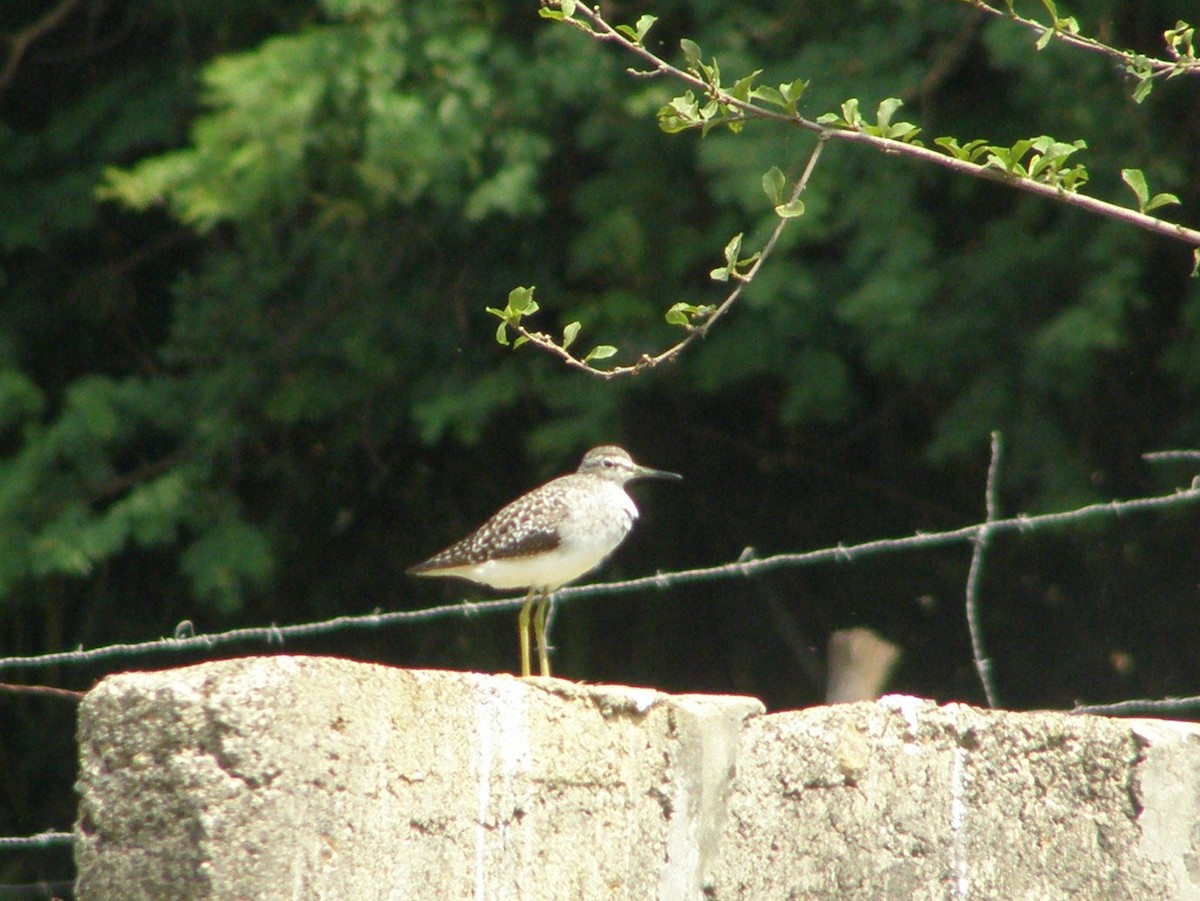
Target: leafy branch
point(1039, 165)
point(1179, 41)
point(744, 101)
point(695, 319)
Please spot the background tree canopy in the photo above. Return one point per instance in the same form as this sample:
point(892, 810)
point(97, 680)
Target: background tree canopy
point(246, 376)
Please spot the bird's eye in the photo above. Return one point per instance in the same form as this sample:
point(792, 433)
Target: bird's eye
point(609, 464)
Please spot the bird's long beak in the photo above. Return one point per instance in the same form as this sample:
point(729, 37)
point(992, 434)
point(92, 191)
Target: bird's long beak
point(645, 472)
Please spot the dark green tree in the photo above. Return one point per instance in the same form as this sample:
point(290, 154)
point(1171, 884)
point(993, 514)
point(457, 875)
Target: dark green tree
point(247, 376)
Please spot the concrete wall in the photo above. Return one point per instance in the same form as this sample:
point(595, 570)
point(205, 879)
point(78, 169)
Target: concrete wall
point(319, 778)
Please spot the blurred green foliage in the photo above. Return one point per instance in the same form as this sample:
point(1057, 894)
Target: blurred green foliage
point(246, 373)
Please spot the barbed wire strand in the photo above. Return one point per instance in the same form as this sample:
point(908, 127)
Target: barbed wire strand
point(1190, 456)
point(745, 566)
point(1149, 705)
point(277, 635)
point(983, 663)
point(51, 891)
point(47, 839)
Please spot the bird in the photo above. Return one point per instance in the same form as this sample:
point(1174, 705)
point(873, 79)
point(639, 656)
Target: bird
point(549, 537)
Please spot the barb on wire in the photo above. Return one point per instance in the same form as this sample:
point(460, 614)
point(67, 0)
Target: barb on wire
point(741, 568)
point(983, 663)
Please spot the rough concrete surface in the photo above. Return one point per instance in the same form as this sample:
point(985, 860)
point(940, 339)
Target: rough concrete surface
point(319, 778)
point(905, 799)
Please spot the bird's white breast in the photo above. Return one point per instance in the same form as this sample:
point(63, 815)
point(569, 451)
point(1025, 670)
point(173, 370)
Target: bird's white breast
point(587, 536)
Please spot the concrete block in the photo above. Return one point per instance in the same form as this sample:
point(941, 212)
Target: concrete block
point(319, 778)
point(902, 798)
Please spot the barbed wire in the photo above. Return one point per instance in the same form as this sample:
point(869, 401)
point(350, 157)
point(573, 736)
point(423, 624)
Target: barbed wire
point(47, 839)
point(1150, 705)
point(745, 566)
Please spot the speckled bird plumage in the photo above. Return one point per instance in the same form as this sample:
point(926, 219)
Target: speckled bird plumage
point(552, 535)
point(549, 537)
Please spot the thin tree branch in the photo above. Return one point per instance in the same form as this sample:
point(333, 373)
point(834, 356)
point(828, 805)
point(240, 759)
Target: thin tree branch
point(601, 30)
point(592, 22)
point(1159, 67)
point(19, 42)
point(46, 690)
point(647, 361)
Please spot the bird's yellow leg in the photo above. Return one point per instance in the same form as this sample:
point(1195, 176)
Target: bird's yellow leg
point(523, 633)
point(539, 630)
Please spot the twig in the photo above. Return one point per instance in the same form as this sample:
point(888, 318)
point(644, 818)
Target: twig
point(601, 30)
point(1159, 67)
point(19, 42)
point(48, 690)
point(590, 21)
point(983, 663)
point(647, 361)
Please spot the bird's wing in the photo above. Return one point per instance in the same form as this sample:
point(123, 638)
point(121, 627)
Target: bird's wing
point(518, 530)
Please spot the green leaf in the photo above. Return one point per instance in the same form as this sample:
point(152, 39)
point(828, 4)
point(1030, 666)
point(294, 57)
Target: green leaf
point(969, 152)
point(790, 210)
point(1141, 190)
point(681, 113)
point(773, 182)
point(732, 249)
point(676, 315)
point(887, 108)
point(691, 52)
point(1181, 40)
point(684, 313)
point(768, 94)
point(850, 117)
point(741, 87)
point(1159, 200)
point(521, 299)
point(502, 334)
point(600, 352)
point(793, 90)
point(1136, 180)
point(637, 33)
point(569, 334)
